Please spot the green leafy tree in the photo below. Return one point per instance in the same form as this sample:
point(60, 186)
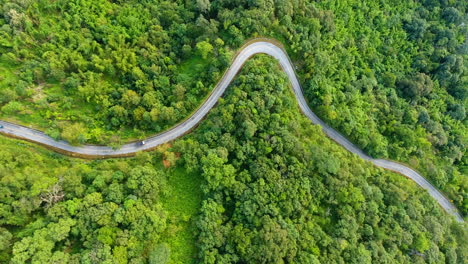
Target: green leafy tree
point(204, 48)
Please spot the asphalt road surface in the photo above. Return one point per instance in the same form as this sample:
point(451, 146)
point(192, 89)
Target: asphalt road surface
point(184, 127)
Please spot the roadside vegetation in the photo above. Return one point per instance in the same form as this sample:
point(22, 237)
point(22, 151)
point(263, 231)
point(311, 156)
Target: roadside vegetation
point(390, 75)
point(255, 182)
point(55, 209)
point(277, 190)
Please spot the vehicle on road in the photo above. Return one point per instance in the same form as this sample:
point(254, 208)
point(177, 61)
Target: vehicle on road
point(184, 127)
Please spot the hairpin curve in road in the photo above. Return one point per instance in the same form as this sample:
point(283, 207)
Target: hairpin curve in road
point(269, 47)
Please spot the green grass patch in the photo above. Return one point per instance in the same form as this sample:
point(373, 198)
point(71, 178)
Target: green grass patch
point(7, 74)
point(182, 204)
point(190, 66)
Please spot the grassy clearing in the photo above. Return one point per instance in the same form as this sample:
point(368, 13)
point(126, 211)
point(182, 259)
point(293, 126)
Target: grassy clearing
point(182, 204)
point(7, 74)
point(190, 66)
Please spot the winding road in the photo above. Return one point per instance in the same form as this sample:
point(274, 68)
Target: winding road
point(255, 47)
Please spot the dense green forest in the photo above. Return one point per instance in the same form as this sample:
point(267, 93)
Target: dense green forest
point(254, 183)
point(277, 190)
point(54, 209)
point(390, 75)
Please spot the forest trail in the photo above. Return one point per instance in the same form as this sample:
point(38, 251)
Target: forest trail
point(260, 46)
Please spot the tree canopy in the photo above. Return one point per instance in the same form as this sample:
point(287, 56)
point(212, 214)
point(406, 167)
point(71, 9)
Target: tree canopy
point(125, 70)
point(255, 182)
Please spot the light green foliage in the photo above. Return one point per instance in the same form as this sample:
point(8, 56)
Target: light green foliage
point(160, 254)
point(5, 243)
point(266, 185)
point(39, 247)
point(421, 243)
point(12, 107)
point(129, 69)
point(111, 211)
point(205, 48)
point(75, 134)
point(101, 61)
point(182, 202)
point(284, 193)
